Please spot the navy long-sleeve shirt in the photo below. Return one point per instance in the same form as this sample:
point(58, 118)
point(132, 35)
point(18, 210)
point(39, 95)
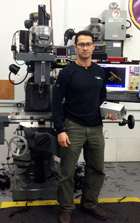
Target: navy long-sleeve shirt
point(83, 90)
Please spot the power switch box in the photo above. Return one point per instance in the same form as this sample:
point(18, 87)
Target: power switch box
point(118, 110)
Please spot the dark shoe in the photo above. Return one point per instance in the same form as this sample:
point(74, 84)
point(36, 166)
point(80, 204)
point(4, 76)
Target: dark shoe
point(65, 217)
point(96, 212)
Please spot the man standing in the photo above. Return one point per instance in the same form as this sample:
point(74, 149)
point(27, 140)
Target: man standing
point(79, 125)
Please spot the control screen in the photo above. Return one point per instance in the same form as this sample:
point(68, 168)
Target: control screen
point(115, 77)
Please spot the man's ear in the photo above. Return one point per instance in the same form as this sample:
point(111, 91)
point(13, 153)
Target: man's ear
point(75, 47)
point(93, 46)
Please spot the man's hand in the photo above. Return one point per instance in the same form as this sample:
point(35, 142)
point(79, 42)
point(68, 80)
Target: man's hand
point(111, 117)
point(63, 139)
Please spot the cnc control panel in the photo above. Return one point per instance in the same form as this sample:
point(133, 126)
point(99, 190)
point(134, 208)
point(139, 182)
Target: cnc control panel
point(134, 78)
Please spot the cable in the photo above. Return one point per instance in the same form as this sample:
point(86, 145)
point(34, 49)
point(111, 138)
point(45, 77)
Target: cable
point(8, 157)
point(14, 37)
point(20, 64)
point(19, 82)
point(130, 24)
point(51, 23)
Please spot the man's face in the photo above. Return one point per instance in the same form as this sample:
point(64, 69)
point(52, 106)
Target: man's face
point(84, 47)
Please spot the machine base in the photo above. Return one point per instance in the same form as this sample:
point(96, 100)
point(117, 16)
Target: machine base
point(25, 189)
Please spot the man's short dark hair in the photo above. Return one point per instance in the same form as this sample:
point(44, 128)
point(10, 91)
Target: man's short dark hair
point(84, 33)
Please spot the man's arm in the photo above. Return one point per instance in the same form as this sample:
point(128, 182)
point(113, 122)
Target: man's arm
point(110, 116)
point(57, 109)
point(103, 98)
point(63, 139)
point(57, 106)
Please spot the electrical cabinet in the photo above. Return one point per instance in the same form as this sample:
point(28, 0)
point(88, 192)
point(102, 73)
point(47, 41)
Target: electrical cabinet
point(115, 24)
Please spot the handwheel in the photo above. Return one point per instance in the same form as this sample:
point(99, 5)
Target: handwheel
point(18, 146)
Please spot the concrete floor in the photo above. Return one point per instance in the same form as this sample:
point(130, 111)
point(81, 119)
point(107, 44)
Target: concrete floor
point(122, 180)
